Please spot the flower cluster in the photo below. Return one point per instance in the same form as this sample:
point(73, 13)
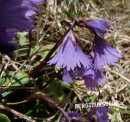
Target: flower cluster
point(90, 67)
point(16, 15)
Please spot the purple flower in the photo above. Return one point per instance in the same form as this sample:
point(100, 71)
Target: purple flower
point(99, 114)
point(70, 55)
point(12, 15)
point(68, 76)
point(104, 54)
point(15, 15)
point(73, 114)
point(6, 36)
point(31, 5)
point(93, 77)
point(98, 26)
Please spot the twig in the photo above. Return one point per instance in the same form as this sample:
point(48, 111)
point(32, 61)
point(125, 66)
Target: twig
point(33, 58)
point(16, 103)
point(118, 106)
point(16, 87)
point(38, 30)
point(45, 10)
point(17, 113)
point(4, 68)
point(30, 43)
point(117, 73)
point(15, 73)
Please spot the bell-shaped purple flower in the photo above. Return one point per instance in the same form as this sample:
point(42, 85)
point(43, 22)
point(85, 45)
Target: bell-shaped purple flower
point(68, 76)
point(99, 114)
point(74, 114)
point(104, 54)
point(70, 55)
point(15, 15)
point(31, 5)
point(93, 77)
point(12, 15)
point(98, 26)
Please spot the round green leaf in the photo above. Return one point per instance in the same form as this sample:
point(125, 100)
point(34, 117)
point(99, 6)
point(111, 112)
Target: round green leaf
point(4, 118)
point(20, 79)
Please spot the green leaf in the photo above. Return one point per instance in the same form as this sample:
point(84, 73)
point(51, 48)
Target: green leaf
point(54, 90)
point(45, 50)
point(22, 53)
point(21, 38)
point(4, 118)
point(19, 79)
